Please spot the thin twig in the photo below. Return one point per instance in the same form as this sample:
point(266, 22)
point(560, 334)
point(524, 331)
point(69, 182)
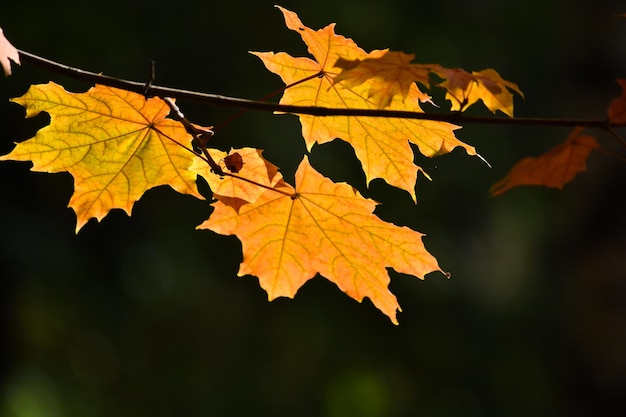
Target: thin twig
point(151, 78)
point(219, 100)
point(611, 153)
point(616, 136)
point(200, 136)
point(293, 195)
point(265, 97)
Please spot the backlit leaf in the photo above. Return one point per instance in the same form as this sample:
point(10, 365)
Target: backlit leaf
point(289, 235)
point(465, 89)
point(381, 144)
point(246, 185)
point(387, 73)
point(554, 168)
point(115, 143)
point(391, 73)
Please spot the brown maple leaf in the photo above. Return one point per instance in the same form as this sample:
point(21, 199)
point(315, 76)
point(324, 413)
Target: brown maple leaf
point(115, 143)
point(289, 235)
point(381, 144)
point(554, 168)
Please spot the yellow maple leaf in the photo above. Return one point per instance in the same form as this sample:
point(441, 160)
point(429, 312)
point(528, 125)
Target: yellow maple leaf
point(381, 144)
point(554, 168)
point(115, 143)
point(243, 187)
point(289, 235)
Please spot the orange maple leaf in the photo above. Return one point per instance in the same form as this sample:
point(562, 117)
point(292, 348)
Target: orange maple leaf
point(8, 53)
point(381, 144)
point(245, 186)
point(387, 73)
point(392, 73)
point(465, 89)
point(617, 108)
point(554, 168)
point(289, 235)
point(115, 143)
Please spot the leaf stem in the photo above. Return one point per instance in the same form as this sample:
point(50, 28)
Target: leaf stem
point(200, 136)
point(611, 153)
point(616, 136)
point(219, 100)
point(267, 187)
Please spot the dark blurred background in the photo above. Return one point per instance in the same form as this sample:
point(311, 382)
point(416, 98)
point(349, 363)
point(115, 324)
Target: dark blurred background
point(145, 316)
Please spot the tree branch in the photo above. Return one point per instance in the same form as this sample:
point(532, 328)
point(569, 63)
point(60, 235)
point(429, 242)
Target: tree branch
point(218, 100)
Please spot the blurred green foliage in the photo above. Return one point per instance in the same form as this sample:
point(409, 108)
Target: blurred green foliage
point(144, 316)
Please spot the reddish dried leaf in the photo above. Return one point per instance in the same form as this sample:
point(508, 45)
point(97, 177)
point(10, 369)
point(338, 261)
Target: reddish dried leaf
point(289, 235)
point(233, 162)
point(8, 53)
point(555, 168)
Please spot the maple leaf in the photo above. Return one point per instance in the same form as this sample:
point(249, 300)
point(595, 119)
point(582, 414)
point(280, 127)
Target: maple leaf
point(392, 73)
point(255, 175)
point(289, 235)
point(617, 108)
point(381, 144)
point(465, 89)
point(554, 168)
point(387, 73)
point(8, 53)
point(115, 143)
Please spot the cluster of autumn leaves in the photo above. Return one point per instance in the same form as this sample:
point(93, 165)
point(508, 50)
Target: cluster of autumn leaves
point(117, 144)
